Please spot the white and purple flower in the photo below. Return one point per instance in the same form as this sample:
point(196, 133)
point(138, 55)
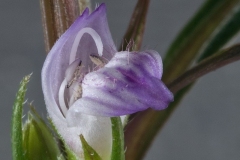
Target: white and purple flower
point(86, 81)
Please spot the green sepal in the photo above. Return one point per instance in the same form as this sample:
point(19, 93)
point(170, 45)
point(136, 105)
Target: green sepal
point(67, 153)
point(89, 152)
point(16, 132)
point(117, 139)
point(70, 155)
point(38, 141)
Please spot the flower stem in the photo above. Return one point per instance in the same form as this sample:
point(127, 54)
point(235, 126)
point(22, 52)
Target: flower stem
point(117, 139)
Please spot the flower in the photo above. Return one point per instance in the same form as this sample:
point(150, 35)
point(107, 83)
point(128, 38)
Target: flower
point(85, 81)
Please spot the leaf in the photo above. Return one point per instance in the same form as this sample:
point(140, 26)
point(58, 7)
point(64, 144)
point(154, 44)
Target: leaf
point(226, 30)
point(89, 152)
point(16, 132)
point(133, 37)
point(185, 47)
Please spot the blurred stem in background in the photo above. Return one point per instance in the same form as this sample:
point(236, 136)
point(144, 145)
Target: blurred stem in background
point(57, 16)
point(132, 40)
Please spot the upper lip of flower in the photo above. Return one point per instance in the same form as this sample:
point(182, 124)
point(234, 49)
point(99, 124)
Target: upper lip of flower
point(97, 41)
point(71, 88)
point(68, 80)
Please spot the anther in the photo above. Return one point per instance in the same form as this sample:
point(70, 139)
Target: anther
point(76, 75)
point(97, 60)
point(78, 93)
point(77, 88)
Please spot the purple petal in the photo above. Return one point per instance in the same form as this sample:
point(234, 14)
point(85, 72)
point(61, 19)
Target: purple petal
point(53, 74)
point(57, 61)
point(130, 82)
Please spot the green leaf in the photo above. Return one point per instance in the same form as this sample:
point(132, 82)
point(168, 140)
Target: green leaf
point(133, 37)
point(186, 46)
point(16, 132)
point(117, 139)
point(89, 152)
point(226, 30)
point(38, 141)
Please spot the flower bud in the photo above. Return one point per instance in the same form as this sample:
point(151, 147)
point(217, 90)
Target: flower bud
point(38, 141)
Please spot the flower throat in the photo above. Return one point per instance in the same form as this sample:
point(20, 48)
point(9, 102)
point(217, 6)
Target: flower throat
point(71, 87)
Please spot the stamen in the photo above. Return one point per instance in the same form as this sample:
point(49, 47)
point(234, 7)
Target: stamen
point(97, 60)
point(95, 37)
point(77, 93)
point(76, 74)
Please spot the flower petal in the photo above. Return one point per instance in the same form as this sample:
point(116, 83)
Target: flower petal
point(130, 82)
point(57, 61)
point(53, 74)
point(96, 130)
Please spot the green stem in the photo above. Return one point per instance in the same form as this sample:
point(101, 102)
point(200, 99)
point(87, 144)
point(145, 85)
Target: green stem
point(118, 139)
